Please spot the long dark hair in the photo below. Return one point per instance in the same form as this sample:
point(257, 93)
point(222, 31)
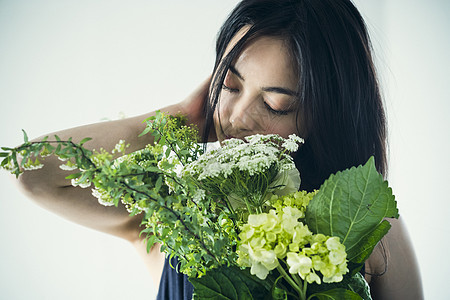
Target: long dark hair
point(340, 104)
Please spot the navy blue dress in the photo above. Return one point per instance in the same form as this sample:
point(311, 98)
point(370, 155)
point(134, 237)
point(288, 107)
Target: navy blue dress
point(174, 285)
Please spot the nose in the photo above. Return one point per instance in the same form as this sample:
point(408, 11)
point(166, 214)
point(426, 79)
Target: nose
point(246, 114)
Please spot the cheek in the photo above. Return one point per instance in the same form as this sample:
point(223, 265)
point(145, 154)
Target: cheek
point(224, 107)
point(283, 126)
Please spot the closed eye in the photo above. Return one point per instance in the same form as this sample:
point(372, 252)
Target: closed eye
point(227, 88)
point(276, 112)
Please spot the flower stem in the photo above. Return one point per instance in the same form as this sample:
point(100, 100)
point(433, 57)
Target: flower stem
point(297, 279)
point(291, 282)
point(249, 208)
point(305, 285)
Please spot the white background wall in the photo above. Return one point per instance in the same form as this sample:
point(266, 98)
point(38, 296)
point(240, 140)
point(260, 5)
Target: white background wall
point(418, 48)
point(68, 63)
point(413, 43)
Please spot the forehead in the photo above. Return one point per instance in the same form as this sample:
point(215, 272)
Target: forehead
point(265, 60)
point(270, 53)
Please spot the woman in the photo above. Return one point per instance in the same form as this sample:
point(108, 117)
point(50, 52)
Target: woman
point(282, 66)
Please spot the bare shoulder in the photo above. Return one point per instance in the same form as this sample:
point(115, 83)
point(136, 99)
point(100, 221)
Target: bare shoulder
point(392, 269)
point(153, 259)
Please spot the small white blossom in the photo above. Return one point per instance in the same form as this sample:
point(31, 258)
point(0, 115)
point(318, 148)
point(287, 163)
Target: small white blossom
point(9, 166)
point(199, 196)
point(33, 167)
point(296, 139)
point(120, 147)
point(83, 185)
point(45, 152)
point(67, 167)
point(292, 143)
point(30, 165)
point(102, 197)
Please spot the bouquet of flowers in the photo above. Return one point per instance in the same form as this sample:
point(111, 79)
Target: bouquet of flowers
point(234, 216)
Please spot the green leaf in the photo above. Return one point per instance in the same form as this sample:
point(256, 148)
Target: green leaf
point(352, 205)
point(368, 242)
point(151, 240)
point(5, 161)
point(146, 130)
point(354, 268)
point(279, 294)
point(25, 136)
point(355, 283)
point(4, 154)
point(229, 283)
point(337, 294)
point(75, 175)
point(158, 183)
point(359, 285)
point(85, 140)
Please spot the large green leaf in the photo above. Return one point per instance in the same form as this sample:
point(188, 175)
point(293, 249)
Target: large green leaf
point(355, 283)
point(352, 205)
point(229, 283)
point(365, 246)
point(359, 285)
point(336, 294)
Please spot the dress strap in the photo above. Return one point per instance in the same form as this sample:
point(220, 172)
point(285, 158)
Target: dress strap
point(174, 285)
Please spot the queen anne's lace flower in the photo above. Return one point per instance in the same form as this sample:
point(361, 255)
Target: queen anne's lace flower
point(235, 153)
point(292, 143)
point(260, 159)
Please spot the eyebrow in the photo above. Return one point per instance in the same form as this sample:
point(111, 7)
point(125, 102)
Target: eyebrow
point(279, 90)
point(236, 72)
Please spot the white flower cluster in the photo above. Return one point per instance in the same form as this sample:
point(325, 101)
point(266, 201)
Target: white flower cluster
point(199, 195)
point(9, 166)
point(292, 143)
point(102, 196)
point(255, 155)
point(120, 147)
point(32, 165)
point(85, 184)
point(69, 166)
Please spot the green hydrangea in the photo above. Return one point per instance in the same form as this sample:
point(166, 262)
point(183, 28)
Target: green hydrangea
point(280, 237)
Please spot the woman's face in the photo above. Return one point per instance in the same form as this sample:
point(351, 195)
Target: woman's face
point(258, 94)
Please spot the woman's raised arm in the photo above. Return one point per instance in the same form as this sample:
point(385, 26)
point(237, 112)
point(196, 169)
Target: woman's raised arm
point(49, 188)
